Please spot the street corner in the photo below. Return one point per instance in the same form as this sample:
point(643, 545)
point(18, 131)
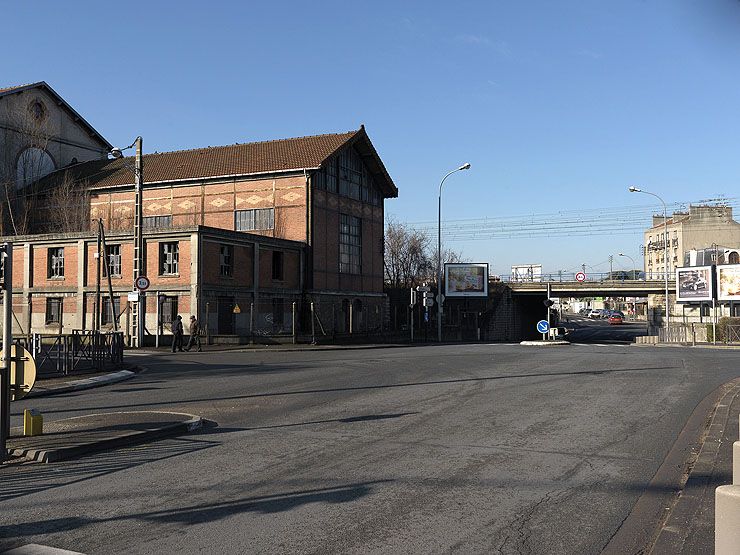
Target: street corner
point(65, 385)
point(78, 436)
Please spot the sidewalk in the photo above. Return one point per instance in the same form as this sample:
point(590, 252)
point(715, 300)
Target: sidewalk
point(75, 437)
point(689, 527)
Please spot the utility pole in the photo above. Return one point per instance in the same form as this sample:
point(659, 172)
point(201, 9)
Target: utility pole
point(6, 253)
point(139, 242)
point(611, 266)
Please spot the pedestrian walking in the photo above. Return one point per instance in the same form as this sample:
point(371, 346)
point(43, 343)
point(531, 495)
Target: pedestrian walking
point(177, 333)
point(194, 334)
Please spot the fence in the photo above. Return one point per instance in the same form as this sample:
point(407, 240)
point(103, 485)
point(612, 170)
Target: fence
point(82, 349)
point(693, 333)
point(284, 319)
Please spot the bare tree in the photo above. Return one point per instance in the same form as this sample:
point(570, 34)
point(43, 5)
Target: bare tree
point(67, 206)
point(410, 256)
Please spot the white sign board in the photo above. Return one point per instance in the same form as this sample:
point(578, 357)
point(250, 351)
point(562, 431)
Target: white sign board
point(728, 282)
point(694, 284)
point(466, 280)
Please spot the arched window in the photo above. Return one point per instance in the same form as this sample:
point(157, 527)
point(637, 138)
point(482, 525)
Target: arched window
point(33, 163)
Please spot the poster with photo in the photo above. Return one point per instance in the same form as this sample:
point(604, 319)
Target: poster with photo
point(728, 282)
point(694, 284)
point(466, 280)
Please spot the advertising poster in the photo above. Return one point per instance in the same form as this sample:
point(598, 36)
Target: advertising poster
point(728, 282)
point(466, 280)
point(694, 284)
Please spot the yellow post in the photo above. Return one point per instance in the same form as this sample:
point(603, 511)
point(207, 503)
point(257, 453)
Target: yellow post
point(33, 423)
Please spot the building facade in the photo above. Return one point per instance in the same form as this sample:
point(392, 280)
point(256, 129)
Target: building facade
point(234, 235)
point(39, 133)
point(699, 228)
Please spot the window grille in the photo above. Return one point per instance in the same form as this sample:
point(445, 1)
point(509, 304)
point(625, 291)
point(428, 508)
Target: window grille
point(256, 219)
point(108, 312)
point(56, 262)
point(53, 310)
point(169, 255)
point(169, 310)
point(227, 260)
point(114, 260)
point(350, 244)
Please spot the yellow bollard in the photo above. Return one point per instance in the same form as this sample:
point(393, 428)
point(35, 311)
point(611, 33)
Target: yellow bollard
point(33, 422)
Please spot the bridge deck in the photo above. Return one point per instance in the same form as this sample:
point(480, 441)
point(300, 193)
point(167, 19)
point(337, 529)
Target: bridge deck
point(605, 288)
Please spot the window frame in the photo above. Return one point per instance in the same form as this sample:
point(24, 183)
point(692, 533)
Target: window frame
point(254, 219)
point(114, 269)
point(350, 244)
point(50, 317)
point(55, 268)
point(278, 265)
point(157, 222)
point(226, 260)
point(106, 316)
point(169, 260)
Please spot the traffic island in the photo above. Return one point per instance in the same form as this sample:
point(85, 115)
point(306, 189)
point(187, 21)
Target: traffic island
point(545, 343)
point(74, 437)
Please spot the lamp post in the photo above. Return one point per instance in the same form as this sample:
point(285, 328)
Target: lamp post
point(628, 256)
point(138, 233)
point(439, 251)
point(665, 248)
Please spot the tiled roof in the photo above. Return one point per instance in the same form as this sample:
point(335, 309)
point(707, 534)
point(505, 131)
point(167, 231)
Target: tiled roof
point(234, 160)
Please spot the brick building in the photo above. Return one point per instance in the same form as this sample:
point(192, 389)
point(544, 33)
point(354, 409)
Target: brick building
point(233, 234)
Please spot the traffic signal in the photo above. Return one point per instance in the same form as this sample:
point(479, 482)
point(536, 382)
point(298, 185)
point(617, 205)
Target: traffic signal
point(5, 250)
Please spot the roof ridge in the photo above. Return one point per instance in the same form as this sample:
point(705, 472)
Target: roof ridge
point(207, 148)
point(23, 86)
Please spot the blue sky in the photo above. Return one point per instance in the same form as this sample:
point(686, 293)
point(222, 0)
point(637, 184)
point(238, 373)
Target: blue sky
point(558, 106)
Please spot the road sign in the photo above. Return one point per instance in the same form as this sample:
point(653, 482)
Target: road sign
point(142, 283)
point(543, 326)
point(440, 298)
point(580, 276)
point(22, 372)
point(133, 297)
point(423, 288)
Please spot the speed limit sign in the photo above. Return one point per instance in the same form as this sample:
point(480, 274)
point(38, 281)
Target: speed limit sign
point(142, 283)
point(580, 276)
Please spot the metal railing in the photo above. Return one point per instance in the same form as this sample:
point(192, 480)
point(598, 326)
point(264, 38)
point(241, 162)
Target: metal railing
point(590, 277)
point(64, 353)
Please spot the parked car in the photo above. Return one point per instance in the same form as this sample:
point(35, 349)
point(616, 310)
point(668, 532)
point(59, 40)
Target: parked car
point(594, 313)
point(616, 318)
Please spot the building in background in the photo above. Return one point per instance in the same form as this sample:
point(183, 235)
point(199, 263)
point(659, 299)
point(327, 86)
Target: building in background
point(699, 228)
point(39, 133)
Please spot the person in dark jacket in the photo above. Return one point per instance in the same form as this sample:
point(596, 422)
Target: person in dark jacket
point(177, 333)
point(194, 334)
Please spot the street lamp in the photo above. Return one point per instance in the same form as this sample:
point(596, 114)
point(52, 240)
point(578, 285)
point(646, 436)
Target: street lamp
point(138, 235)
point(628, 256)
point(665, 247)
point(439, 251)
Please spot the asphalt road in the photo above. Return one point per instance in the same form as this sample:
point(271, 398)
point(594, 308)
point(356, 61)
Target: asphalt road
point(585, 330)
point(436, 449)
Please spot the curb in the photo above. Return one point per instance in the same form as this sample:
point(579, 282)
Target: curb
point(653, 510)
point(133, 438)
point(544, 343)
point(79, 385)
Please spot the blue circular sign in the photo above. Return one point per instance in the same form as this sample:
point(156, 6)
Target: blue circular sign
point(543, 326)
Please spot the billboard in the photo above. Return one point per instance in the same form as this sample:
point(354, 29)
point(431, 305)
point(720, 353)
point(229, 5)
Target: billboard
point(728, 282)
point(466, 280)
point(526, 272)
point(694, 283)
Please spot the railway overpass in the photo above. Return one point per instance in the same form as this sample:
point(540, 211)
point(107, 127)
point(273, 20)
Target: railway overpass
point(601, 288)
